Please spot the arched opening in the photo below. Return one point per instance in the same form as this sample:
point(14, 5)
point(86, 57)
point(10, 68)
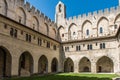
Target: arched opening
point(4, 7)
point(54, 33)
point(60, 33)
point(25, 64)
point(5, 62)
point(43, 65)
point(54, 65)
point(84, 65)
point(102, 26)
point(86, 29)
point(46, 29)
point(116, 22)
point(105, 64)
point(68, 65)
point(71, 30)
point(21, 15)
point(35, 24)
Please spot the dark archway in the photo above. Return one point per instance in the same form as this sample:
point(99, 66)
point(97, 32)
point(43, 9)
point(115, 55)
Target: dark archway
point(84, 65)
point(43, 65)
point(68, 65)
point(5, 62)
point(104, 64)
point(25, 64)
point(54, 65)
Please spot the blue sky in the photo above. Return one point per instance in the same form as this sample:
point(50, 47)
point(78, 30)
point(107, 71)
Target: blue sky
point(73, 7)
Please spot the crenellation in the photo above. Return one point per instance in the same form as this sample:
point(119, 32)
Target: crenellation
point(27, 5)
point(89, 40)
point(100, 12)
point(106, 11)
point(70, 19)
point(84, 15)
point(37, 12)
point(42, 15)
point(74, 18)
point(79, 16)
point(118, 8)
point(89, 14)
point(91, 21)
point(95, 13)
point(112, 9)
point(32, 9)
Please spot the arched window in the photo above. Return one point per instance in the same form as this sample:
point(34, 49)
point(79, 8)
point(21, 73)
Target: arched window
point(60, 8)
point(21, 15)
point(73, 33)
point(103, 45)
point(101, 30)
point(100, 46)
point(88, 47)
point(87, 32)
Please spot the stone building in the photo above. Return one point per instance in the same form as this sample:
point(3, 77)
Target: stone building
point(31, 43)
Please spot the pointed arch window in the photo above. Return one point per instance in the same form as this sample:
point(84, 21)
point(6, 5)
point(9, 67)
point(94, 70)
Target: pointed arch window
point(101, 30)
point(60, 8)
point(103, 45)
point(87, 32)
point(74, 33)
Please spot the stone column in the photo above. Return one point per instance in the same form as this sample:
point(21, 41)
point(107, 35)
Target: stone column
point(35, 66)
point(93, 67)
point(76, 67)
point(60, 66)
point(14, 65)
point(49, 66)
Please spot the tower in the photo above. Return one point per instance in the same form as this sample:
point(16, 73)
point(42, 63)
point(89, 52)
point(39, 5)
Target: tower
point(60, 14)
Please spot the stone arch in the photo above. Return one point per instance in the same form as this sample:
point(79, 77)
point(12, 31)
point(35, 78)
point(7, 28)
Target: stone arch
point(84, 65)
point(117, 18)
point(72, 31)
point(103, 23)
point(105, 64)
point(43, 64)
point(21, 15)
point(60, 32)
point(86, 26)
point(68, 65)
point(25, 64)
point(54, 65)
point(117, 21)
point(46, 29)
point(4, 7)
point(35, 24)
point(54, 33)
point(5, 62)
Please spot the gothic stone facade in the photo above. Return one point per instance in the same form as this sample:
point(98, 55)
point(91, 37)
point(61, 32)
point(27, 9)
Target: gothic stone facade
point(30, 43)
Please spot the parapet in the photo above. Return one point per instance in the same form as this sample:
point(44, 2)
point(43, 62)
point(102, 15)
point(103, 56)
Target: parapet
point(95, 13)
point(33, 11)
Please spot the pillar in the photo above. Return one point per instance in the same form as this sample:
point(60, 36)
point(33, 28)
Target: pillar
point(93, 67)
point(76, 67)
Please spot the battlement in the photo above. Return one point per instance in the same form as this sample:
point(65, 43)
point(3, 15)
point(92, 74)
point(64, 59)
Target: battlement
point(95, 13)
point(34, 11)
